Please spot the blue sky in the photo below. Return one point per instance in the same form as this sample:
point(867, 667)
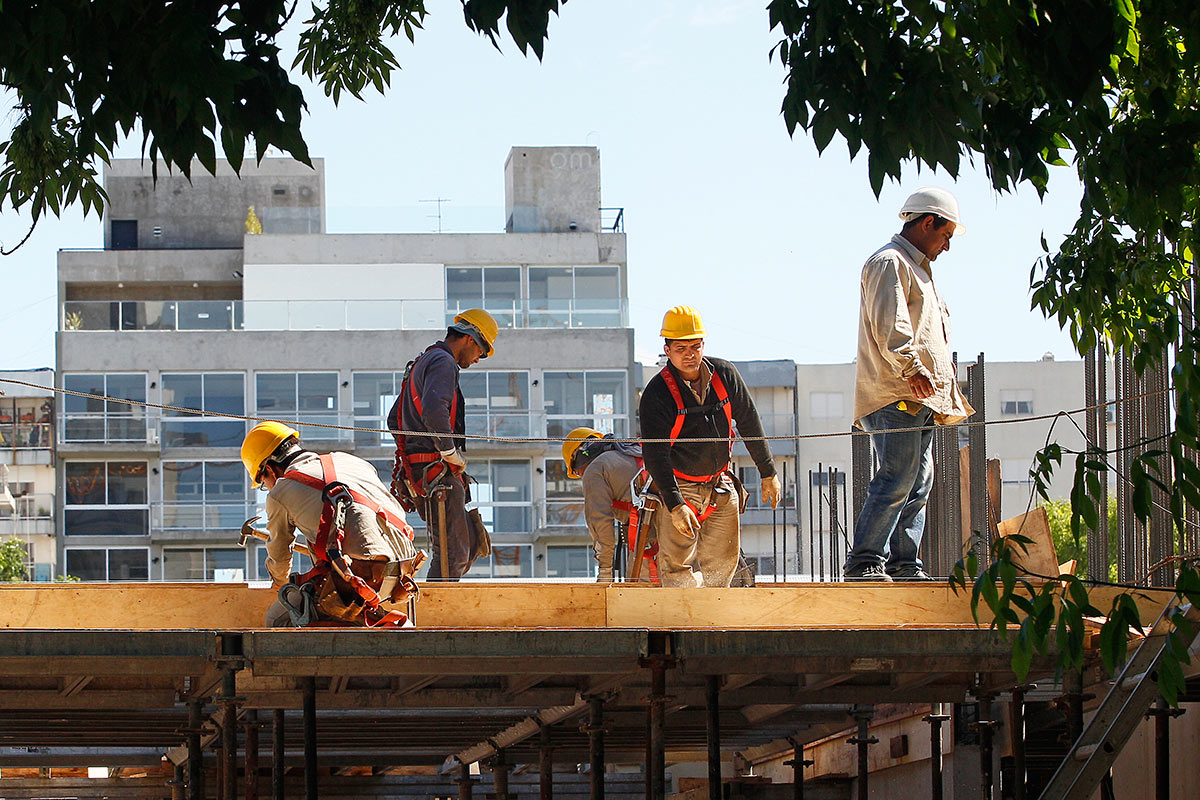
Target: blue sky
point(724, 211)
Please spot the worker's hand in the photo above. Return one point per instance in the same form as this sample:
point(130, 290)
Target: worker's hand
point(771, 491)
point(454, 459)
point(920, 386)
point(684, 520)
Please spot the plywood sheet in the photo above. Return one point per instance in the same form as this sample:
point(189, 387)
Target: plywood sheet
point(1039, 558)
point(136, 606)
point(524, 605)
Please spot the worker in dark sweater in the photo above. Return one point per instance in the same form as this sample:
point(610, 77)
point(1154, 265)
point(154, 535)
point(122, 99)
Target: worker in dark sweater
point(693, 398)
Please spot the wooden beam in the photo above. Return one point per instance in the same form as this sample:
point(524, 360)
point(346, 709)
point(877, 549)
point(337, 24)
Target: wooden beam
point(72, 685)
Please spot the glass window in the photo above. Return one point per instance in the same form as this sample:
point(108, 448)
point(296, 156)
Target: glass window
point(506, 561)
point(105, 499)
point(204, 495)
point(564, 496)
point(300, 397)
point(113, 564)
point(87, 419)
point(825, 405)
point(574, 297)
point(497, 403)
point(222, 565)
point(222, 393)
point(497, 289)
point(570, 561)
point(300, 563)
point(1016, 401)
point(504, 495)
point(592, 399)
point(373, 394)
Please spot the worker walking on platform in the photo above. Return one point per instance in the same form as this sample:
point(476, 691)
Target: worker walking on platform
point(430, 468)
point(693, 399)
point(612, 472)
point(362, 548)
point(904, 385)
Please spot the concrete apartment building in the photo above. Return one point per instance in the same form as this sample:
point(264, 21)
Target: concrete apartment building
point(183, 308)
point(27, 468)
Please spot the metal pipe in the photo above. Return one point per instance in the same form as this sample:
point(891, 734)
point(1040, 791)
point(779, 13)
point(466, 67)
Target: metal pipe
point(277, 765)
point(595, 732)
point(1073, 686)
point(500, 775)
point(229, 734)
point(986, 749)
point(251, 766)
point(712, 703)
point(177, 783)
point(935, 719)
point(862, 714)
point(658, 698)
point(1018, 742)
point(545, 765)
point(195, 764)
point(797, 763)
point(309, 687)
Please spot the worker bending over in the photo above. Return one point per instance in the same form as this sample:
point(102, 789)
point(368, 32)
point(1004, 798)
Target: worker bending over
point(368, 559)
point(611, 472)
point(693, 398)
point(430, 465)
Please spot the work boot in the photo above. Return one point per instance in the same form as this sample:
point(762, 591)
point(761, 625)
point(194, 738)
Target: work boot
point(911, 574)
point(867, 572)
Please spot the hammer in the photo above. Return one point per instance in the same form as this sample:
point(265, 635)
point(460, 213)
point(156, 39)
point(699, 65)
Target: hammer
point(248, 532)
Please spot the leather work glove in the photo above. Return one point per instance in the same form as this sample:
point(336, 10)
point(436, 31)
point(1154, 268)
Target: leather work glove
point(684, 520)
point(771, 491)
point(454, 459)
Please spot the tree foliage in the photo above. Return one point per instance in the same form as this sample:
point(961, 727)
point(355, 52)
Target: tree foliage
point(1111, 86)
point(189, 77)
point(12, 561)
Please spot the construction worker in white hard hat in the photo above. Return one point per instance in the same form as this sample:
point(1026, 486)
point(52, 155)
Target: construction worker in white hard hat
point(696, 397)
point(611, 472)
point(369, 559)
point(904, 379)
point(430, 403)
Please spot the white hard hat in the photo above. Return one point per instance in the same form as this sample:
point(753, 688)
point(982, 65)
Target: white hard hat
point(932, 200)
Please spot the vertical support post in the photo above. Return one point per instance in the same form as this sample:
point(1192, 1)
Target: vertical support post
point(595, 732)
point(500, 775)
point(1073, 686)
point(935, 719)
point(195, 766)
point(278, 768)
point(1018, 742)
point(797, 763)
point(177, 783)
point(309, 687)
point(986, 749)
point(546, 765)
point(464, 782)
point(1162, 714)
point(229, 732)
point(712, 705)
point(251, 766)
point(862, 715)
point(657, 768)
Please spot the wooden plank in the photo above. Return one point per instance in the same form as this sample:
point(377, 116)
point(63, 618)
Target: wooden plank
point(1040, 558)
point(142, 606)
point(499, 605)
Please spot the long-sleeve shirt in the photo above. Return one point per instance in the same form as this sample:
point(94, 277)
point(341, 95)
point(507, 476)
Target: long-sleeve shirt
point(606, 481)
point(904, 331)
point(657, 412)
point(292, 506)
point(435, 377)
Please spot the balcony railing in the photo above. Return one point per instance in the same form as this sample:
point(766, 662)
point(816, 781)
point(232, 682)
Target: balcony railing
point(337, 315)
point(101, 427)
point(25, 435)
point(32, 515)
point(200, 516)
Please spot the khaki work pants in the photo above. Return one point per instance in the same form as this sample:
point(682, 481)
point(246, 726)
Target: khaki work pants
point(711, 558)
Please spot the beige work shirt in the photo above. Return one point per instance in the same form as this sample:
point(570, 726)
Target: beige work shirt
point(904, 330)
point(292, 506)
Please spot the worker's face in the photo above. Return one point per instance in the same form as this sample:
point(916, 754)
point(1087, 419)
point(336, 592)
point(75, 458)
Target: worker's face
point(267, 478)
point(685, 355)
point(932, 240)
point(469, 354)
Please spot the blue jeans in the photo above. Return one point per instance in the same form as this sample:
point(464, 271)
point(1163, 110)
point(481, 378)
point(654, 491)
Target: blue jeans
point(889, 528)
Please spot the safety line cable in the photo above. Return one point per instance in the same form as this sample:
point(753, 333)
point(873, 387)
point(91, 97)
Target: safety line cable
point(194, 412)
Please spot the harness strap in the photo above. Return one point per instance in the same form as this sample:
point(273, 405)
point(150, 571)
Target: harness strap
point(681, 411)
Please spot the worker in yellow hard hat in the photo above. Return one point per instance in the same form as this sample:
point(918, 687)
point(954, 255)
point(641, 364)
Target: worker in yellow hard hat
point(611, 472)
point(378, 542)
point(430, 407)
point(695, 397)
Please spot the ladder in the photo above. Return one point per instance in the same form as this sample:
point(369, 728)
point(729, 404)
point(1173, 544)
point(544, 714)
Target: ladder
point(1119, 714)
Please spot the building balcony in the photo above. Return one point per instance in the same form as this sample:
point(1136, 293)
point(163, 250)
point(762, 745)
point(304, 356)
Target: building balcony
point(774, 425)
point(338, 315)
point(197, 518)
point(31, 515)
point(107, 429)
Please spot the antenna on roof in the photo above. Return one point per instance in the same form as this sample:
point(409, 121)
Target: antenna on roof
point(439, 201)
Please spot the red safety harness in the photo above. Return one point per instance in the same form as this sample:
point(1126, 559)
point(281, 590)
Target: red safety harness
point(327, 548)
point(635, 522)
point(681, 412)
point(403, 468)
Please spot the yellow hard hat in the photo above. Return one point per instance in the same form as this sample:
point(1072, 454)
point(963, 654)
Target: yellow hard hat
point(682, 322)
point(575, 440)
point(480, 326)
point(260, 442)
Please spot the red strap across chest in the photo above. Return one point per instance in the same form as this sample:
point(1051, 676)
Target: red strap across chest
point(681, 412)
